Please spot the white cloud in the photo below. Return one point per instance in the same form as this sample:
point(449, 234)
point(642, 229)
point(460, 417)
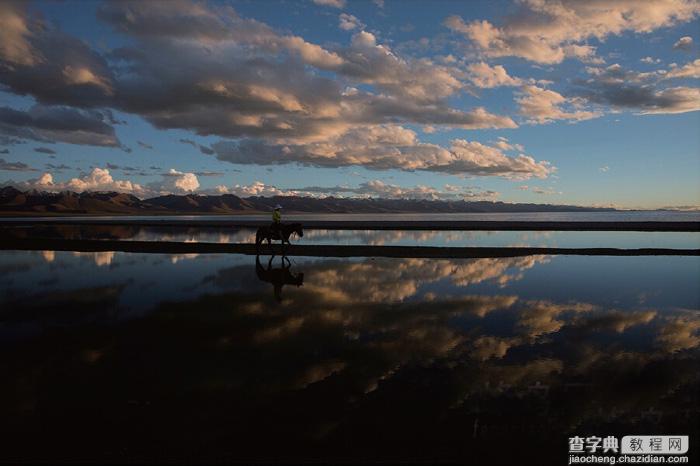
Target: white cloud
point(505, 145)
point(174, 181)
point(684, 43)
point(604, 169)
point(99, 179)
point(331, 3)
point(545, 191)
point(650, 60)
point(689, 70)
point(348, 22)
point(369, 189)
point(544, 106)
point(548, 31)
point(258, 188)
point(387, 146)
point(81, 75)
point(485, 76)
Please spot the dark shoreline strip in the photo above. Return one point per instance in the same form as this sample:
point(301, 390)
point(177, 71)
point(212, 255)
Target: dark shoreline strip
point(476, 225)
point(159, 247)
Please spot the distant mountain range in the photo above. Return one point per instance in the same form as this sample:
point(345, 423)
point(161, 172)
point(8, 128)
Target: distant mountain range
point(14, 201)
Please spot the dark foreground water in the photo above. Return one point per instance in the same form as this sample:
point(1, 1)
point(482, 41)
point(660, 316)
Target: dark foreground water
point(213, 358)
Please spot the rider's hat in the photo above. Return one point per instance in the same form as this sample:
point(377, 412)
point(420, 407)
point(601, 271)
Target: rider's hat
point(277, 207)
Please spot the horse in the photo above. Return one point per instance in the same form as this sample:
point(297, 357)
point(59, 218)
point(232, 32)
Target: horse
point(278, 277)
point(285, 230)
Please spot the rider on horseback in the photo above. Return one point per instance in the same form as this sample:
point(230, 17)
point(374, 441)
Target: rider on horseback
point(276, 222)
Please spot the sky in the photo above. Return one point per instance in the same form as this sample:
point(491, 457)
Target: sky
point(590, 103)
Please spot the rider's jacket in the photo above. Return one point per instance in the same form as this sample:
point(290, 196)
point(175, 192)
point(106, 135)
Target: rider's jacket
point(276, 216)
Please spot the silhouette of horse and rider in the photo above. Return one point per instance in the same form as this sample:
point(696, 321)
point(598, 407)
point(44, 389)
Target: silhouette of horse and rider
point(280, 276)
point(277, 230)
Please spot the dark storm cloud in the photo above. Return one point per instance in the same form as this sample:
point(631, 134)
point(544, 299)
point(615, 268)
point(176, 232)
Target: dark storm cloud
point(206, 150)
point(44, 150)
point(626, 89)
point(51, 66)
point(189, 141)
point(15, 166)
point(208, 173)
point(55, 168)
point(57, 124)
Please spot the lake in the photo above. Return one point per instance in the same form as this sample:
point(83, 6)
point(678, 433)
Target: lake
point(617, 216)
point(435, 238)
point(126, 357)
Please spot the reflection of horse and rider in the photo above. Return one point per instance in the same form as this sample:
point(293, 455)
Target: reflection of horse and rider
point(277, 230)
point(278, 276)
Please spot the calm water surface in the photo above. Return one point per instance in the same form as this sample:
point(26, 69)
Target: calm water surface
point(620, 216)
point(199, 234)
point(151, 357)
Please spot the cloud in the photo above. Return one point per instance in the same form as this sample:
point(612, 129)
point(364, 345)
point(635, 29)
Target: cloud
point(258, 188)
point(15, 166)
point(540, 105)
point(206, 150)
point(544, 317)
point(650, 60)
point(57, 168)
point(144, 145)
point(618, 88)
point(371, 189)
point(34, 52)
point(680, 333)
point(380, 189)
point(15, 46)
point(689, 70)
point(99, 179)
point(44, 150)
point(331, 3)
point(348, 22)
point(189, 141)
point(204, 68)
point(253, 93)
point(604, 169)
point(505, 145)
point(548, 31)
point(174, 181)
point(544, 191)
point(203, 149)
point(386, 147)
point(58, 124)
point(684, 43)
point(486, 76)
